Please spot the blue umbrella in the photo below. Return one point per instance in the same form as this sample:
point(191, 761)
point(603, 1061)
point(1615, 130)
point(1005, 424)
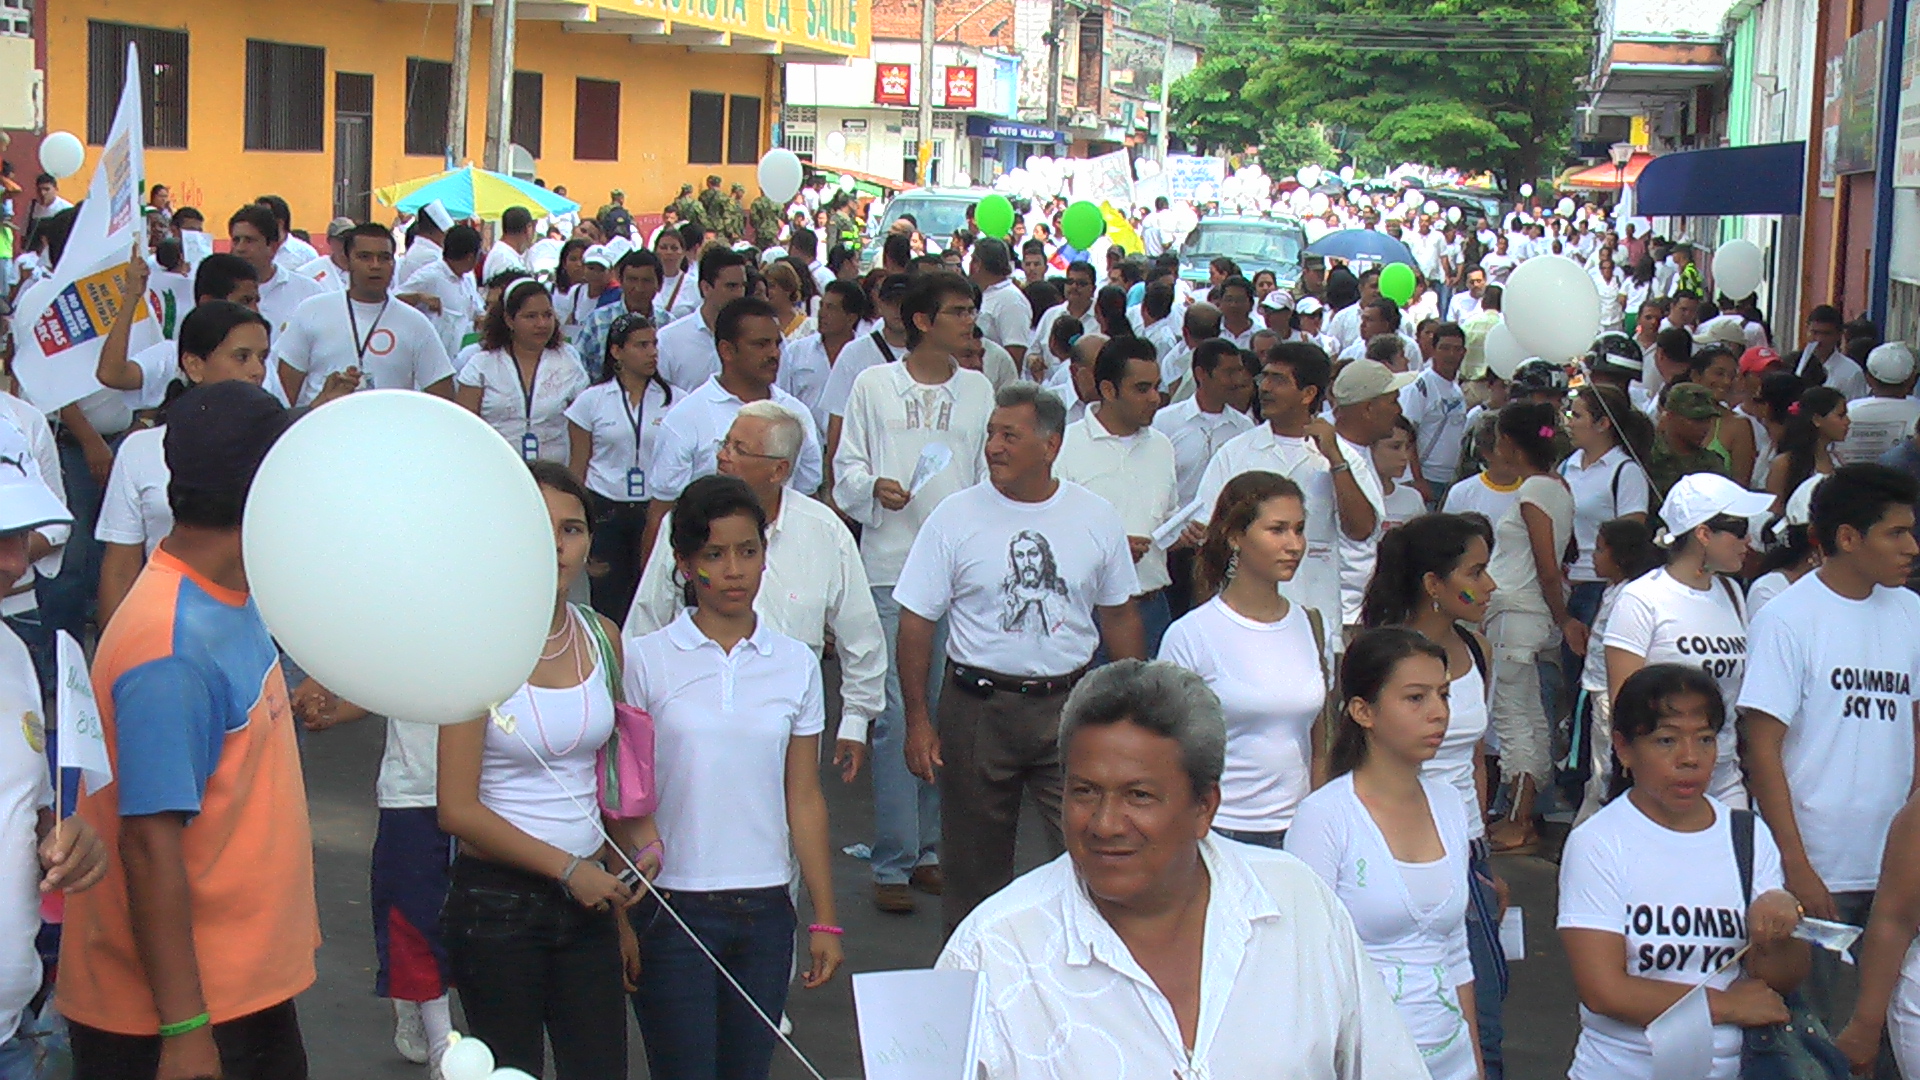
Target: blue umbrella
point(1362, 245)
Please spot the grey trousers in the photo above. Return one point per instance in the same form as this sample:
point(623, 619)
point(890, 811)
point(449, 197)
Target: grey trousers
point(994, 750)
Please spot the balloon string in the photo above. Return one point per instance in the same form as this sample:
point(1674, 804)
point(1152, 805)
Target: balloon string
point(506, 724)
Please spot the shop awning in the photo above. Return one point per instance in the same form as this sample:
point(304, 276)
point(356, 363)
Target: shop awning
point(1766, 179)
point(865, 183)
point(1606, 176)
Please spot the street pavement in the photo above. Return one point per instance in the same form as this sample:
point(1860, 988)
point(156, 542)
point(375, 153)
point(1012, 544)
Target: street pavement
point(349, 1031)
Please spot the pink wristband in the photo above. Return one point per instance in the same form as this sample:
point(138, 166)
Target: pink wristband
point(823, 928)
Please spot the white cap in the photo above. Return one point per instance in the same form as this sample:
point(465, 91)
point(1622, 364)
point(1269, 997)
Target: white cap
point(1278, 300)
point(1722, 330)
point(1364, 380)
point(1309, 305)
point(25, 500)
point(436, 212)
point(1800, 503)
point(1698, 498)
point(772, 255)
point(617, 247)
point(597, 255)
point(1891, 362)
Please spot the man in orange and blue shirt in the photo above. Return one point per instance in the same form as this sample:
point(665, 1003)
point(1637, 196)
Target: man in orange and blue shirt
point(185, 961)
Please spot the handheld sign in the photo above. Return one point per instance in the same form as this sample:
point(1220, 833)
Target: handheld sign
point(917, 1025)
point(82, 739)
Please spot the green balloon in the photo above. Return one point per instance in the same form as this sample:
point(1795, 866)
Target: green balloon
point(1396, 282)
point(1082, 224)
point(994, 216)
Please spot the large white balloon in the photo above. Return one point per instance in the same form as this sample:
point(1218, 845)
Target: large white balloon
point(1504, 354)
point(1552, 307)
point(402, 554)
point(1738, 268)
point(466, 1059)
point(1526, 191)
point(62, 154)
point(780, 174)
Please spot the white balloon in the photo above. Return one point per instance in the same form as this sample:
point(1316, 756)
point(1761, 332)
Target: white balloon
point(780, 174)
point(1346, 173)
point(1564, 207)
point(1504, 354)
point(466, 1059)
point(511, 1074)
point(402, 554)
point(1453, 214)
point(62, 154)
point(836, 143)
point(1429, 208)
point(1526, 191)
point(1317, 203)
point(848, 183)
point(1552, 307)
point(1738, 268)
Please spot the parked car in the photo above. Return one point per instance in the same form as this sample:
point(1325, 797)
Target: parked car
point(1255, 243)
point(939, 212)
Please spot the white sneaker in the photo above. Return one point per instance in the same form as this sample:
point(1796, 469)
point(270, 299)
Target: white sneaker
point(409, 1032)
point(786, 1025)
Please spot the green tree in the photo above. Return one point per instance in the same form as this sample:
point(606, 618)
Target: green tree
point(1289, 145)
point(1209, 104)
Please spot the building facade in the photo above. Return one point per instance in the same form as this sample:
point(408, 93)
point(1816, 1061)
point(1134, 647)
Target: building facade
point(323, 104)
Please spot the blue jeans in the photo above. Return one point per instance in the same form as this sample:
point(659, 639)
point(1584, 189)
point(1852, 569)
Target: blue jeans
point(1489, 961)
point(1832, 985)
point(906, 809)
point(68, 598)
point(38, 1049)
point(694, 1025)
point(1155, 615)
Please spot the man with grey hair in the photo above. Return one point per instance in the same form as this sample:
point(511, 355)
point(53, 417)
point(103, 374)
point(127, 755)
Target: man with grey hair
point(1143, 747)
point(1019, 566)
point(814, 581)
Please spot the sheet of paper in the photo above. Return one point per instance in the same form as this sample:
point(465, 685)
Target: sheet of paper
point(934, 457)
point(917, 1025)
point(1165, 535)
point(1836, 937)
point(1513, 934)
point(1682, 1039)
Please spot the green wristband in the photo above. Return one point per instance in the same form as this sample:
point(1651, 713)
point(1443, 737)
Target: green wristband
point(168, 1031)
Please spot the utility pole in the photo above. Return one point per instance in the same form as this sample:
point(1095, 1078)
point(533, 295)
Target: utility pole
point(462, 79)
point(926, 92)
point(1054, 33)
point(500, 86)
point(1166, 81)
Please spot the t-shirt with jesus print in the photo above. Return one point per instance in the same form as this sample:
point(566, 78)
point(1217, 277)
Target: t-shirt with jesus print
point(1840, 674)
point(1676, 898)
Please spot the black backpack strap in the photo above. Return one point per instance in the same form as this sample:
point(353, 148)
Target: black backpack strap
point(1742, 826)
point(1473, 649)
point(885, 349)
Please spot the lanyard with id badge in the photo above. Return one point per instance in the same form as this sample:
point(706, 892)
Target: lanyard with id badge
point(529, 442)
point(360, 344)
point(636, 476)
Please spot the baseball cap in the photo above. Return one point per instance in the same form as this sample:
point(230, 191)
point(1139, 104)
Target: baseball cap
point(1618, 352)
point(436, 212)
point(1692, 401)
point(1537, 376)
point(1309, 305)
point(772, 255)
point(1722, 330)
point(616, 193)
point(340, 226)
point(1890, 362)
point(597, 255)
point(1364, 380)
point(26, 502)
point(1698, 498)
point(218, 434)
point(1278, 300)
point(895, 287)
point(1800, 503)
point(1757, 359)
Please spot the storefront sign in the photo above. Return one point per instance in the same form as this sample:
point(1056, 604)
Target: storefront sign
point(833, 26)
point(962, 87)
point(987, 127)
point(893, 84)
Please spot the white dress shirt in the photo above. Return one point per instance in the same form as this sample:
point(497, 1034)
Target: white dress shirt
point(1006, 317)
point(1135, 473)
point(1197, 435)
point(688, 354)
point(813, 583)
point(326, 272)
point(1279, 955)
point(689, 442)
point(294, 253)
point(460, 303)
point(534, 424)
point(280, 296)
point(500, 259)
point(1317, 583)
point(419, 253)
point(804, 368)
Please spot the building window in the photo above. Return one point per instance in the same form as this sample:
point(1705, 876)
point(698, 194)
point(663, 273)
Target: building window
point(706, 127)
point(743, 130)
point(429, 84)
point(529, 98)
point(596, 120)
point(16, 18)
point(286, 96)
point(163, 53)
point(801, 144)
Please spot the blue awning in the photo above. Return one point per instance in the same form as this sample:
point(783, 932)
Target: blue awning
point(1768, 179)
point(990, 127)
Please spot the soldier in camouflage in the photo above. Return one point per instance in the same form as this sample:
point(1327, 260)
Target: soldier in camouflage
point(764, 216)
point(712, 209)
point(684, 207)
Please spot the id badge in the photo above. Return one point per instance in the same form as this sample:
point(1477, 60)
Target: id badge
point(636, 484)
point(530, 446)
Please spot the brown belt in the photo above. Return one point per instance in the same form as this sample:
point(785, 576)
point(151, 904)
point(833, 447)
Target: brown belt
point(983, 683)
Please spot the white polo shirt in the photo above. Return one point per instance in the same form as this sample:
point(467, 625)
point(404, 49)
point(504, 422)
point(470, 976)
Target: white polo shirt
point(280, 296)
point(1197, 435)
point(813, 583)
point(1613, 486)
point(325, 272)
point(1317, 583)
point(418, 254)
point(688, 355)
point(623, 434)
point(804, 370)
point(1006, 316)
point(536, 427)
point(1019, 580)
point(722, 722)
point(134, 511)
point(460, 303)
point(500, 259)
point(396, 347)
point(689, 442)
point(1135, 473)
point(1037, 340)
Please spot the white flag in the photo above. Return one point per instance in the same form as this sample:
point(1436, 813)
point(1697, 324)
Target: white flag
point(83, 739)
point(62, 320)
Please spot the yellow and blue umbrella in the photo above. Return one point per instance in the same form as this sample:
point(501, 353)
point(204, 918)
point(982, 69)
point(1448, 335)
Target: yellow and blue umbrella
point(474, 193)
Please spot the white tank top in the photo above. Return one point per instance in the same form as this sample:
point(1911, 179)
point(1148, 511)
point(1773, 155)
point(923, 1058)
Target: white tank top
point(565, 728)
point(1453, 762)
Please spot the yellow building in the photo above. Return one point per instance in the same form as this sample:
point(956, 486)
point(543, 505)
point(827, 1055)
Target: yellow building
point(322, 101)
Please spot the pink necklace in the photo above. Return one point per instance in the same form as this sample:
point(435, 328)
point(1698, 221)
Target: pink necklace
point(533, 702)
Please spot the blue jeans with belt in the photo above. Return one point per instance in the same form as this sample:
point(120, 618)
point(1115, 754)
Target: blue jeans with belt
point(695, 1025)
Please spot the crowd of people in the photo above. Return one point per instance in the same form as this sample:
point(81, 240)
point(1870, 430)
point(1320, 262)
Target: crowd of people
point(1204, 572)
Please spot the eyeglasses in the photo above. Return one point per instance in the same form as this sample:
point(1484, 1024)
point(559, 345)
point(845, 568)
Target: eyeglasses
point(961, 312)
point(1729, 524)
point(736, 448)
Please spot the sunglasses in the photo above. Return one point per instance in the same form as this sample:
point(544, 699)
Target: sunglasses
point(1727, 523)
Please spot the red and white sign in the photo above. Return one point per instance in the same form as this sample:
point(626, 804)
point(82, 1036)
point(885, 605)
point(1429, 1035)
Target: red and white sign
point(893, 84)
point(962, 87)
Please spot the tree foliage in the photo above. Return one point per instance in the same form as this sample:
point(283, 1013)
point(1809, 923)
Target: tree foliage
point(1209, 104)
point(1290, 145)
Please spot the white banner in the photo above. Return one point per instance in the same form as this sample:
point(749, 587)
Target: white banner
point(83, 739)
point(1187, 176)
point(1107, 178)
point(61, 321)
